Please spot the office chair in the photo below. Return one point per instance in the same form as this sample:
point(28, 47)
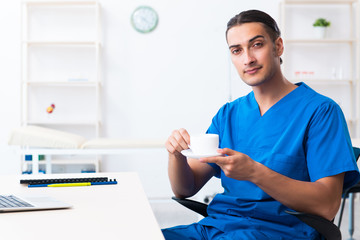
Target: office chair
point(327, 229)
point(349, 193)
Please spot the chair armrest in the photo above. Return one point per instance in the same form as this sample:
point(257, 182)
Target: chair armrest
point(353, 189)
point(197, 207)
point(325, 227)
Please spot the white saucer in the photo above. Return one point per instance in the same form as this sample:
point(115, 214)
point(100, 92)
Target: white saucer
point(189, 153)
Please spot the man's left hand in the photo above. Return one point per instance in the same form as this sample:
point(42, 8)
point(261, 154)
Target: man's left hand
point(234, 164)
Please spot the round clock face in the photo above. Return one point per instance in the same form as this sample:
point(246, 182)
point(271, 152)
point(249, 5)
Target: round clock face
point(144, 19)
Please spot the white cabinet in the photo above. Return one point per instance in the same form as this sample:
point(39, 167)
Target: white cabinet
point(330, 64)
point(61, 66)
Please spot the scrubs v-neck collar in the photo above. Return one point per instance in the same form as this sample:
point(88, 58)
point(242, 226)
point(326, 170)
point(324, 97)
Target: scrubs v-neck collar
point(279, 103)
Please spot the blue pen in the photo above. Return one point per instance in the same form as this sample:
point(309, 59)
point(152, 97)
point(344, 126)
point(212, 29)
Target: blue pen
point(38, 185)
point(104, 183)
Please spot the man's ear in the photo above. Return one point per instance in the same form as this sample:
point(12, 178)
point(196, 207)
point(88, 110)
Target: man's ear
point(279, 46)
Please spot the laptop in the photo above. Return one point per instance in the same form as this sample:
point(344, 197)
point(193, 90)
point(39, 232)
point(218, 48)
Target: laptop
point(12, 203)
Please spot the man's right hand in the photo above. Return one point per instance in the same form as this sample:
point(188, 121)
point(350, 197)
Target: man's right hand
point(179, 140)
point(187, 176)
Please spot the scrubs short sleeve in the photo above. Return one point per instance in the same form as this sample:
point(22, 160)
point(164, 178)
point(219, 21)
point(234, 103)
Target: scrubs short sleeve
point(324, 145)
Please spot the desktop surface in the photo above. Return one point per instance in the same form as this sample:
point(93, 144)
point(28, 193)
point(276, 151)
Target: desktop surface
point(119, 211)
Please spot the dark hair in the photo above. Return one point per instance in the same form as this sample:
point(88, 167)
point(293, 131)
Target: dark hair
point(250, 16)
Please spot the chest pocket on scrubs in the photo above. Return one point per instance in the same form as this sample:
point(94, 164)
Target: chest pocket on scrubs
point(291, 166)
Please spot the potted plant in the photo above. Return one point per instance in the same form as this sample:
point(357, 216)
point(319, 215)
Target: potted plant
point(320, 26)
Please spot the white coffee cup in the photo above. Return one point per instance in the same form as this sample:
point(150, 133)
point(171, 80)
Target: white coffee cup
point(204, 144)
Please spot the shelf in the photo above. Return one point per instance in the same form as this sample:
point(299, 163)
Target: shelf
point(66, 161)
point(320, 1)
point(334, 59)
point(65, 123)
point(351, 121)
point(312, 41)
point(324, 81)
point(60, 3)
point(61, 64)
point(66, 43)
point(61, 50)
point(65, 84)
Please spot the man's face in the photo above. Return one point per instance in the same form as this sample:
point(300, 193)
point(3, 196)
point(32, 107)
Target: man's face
point(253, 53)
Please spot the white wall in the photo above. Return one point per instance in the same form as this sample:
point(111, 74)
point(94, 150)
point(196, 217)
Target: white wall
point(176, 76)
point(10, 67)
point(10, 82)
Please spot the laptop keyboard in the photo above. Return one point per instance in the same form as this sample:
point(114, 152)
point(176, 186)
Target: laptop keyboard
point(12, 202)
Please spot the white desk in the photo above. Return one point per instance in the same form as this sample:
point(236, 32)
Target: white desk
point(99, 212)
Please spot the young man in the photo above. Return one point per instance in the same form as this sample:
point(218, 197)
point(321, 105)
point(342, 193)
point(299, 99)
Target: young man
point(284, 147)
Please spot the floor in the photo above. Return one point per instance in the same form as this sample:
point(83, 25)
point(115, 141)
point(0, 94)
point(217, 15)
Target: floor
point(169, 213)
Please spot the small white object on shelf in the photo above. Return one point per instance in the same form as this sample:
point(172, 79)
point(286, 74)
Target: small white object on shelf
point(320, 32)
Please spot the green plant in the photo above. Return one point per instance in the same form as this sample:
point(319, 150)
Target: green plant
point(321, 22)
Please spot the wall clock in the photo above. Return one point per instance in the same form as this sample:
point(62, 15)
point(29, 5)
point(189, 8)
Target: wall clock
point(144, 19)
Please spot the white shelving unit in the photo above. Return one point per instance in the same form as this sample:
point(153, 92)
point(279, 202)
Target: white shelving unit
point(339, 73)
point(61, 65)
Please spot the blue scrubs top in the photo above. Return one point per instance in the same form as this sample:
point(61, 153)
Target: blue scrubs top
point(303, 136)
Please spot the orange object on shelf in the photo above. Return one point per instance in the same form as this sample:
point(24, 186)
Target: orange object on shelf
point(51, 108)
